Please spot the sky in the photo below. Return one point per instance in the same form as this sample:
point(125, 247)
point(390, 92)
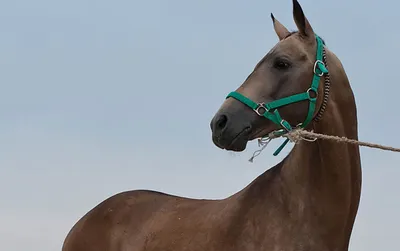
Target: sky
point(99, 97)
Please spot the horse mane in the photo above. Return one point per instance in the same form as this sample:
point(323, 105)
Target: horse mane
point(295, 32)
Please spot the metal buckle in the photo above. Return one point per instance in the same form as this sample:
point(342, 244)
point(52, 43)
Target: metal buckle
point(287, 129)
point(315, 68)
point(259, 106)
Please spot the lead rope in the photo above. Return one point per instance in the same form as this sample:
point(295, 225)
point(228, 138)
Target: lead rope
point(300, 134)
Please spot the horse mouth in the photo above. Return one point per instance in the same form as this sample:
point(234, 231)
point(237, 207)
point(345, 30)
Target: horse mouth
point(259, 134)
point(239, 142)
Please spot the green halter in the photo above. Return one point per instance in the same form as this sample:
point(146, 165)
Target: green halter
point(264, 110)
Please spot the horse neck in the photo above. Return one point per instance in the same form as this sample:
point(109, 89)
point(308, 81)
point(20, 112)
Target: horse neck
point(325, 163)
point(326, 175)
point(328, 170)
point(318, 182)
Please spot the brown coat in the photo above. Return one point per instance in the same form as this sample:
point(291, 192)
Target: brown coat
point(308, 202)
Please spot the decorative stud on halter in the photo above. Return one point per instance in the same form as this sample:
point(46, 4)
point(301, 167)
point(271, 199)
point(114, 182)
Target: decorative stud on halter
point(270, 110)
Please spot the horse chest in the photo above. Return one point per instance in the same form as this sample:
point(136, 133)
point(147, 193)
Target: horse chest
point(214, 241)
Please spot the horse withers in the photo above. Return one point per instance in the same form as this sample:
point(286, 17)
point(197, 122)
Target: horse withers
point(308, 201)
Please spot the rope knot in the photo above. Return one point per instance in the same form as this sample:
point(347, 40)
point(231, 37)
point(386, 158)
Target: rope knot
point(294, 136)
point(300, 134)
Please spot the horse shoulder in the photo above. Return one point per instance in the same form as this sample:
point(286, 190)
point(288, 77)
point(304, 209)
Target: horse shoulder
point(113, 219)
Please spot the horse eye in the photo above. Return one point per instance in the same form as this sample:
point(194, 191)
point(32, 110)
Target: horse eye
point(281, 65)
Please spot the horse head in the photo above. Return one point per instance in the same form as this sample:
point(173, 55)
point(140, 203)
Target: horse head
point(282, 92)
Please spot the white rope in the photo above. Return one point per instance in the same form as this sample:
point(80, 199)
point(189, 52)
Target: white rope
point(300, 134)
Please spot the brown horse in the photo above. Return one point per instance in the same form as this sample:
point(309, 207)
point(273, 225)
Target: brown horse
point(309, 201)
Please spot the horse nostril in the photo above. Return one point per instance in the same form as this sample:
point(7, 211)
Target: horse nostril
point(221, 122)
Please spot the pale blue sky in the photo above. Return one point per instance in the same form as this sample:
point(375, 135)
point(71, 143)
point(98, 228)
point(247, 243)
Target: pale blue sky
point(99, 97)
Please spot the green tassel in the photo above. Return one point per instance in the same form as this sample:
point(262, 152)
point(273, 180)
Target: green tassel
point(281, 147)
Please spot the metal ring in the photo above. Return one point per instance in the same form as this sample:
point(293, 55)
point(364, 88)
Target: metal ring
point(308, 93)
point(315, 68)
point(257, 110)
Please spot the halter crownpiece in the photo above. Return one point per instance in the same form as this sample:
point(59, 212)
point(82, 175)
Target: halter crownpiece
point(270, 110)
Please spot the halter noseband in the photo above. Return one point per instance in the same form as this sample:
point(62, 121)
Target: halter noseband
point(270, 110)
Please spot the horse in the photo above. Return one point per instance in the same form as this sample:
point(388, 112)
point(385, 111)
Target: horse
point(308, 201)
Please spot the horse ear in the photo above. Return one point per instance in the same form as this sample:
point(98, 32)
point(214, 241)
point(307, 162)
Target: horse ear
point(301, 21)
point(280, 30)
